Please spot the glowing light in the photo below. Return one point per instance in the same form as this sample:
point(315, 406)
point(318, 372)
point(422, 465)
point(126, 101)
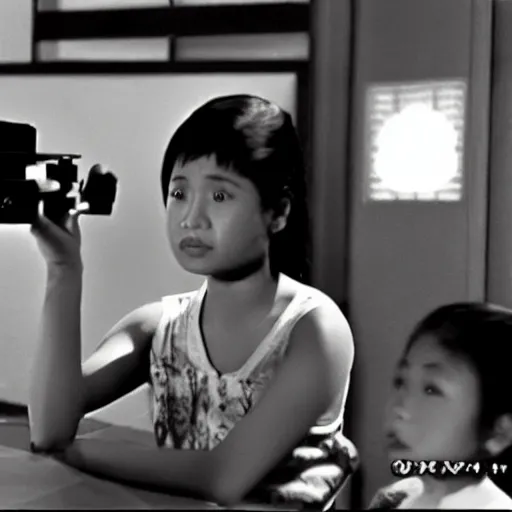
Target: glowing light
point(416, 151)
point(415, 141)
point(35, 171)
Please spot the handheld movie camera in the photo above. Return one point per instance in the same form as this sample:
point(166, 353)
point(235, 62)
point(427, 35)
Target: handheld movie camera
point(20, 197)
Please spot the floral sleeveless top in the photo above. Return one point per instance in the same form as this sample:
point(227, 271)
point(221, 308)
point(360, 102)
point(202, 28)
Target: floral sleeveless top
point(193, 407)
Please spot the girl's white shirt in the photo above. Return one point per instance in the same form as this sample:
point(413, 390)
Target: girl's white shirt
point(483, 495)
point(193, 406)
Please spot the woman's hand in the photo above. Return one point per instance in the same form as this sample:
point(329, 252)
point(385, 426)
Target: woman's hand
point(60, 243)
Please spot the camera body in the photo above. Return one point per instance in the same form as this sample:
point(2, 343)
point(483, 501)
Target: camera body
point(20, 197)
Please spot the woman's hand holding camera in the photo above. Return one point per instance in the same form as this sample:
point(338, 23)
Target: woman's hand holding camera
point(59, 243)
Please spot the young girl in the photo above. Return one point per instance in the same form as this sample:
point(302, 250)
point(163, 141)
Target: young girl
point(241, 369)
point(451, 401)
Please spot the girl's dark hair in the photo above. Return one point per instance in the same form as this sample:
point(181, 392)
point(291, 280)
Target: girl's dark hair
point(256, 139)
point(481, 335)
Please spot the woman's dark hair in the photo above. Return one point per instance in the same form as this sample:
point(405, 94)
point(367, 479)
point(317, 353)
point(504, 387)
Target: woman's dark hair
point(256, 139)
point(481, 335)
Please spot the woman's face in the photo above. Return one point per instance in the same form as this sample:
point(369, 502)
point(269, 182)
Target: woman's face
point(215, 222)
point(434, 406)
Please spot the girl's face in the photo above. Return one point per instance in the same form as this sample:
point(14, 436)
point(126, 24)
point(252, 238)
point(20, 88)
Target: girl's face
point(215, 223)
point(434, 406)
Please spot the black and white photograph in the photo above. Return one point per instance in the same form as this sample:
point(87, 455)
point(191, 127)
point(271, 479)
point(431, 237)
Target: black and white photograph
point(255, 254)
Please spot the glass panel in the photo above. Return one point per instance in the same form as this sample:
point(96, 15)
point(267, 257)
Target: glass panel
point(92, 5)
point(239, 47)
point(156, 49)
point(15, 31)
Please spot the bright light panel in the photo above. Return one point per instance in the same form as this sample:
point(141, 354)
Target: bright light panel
point(415, 141)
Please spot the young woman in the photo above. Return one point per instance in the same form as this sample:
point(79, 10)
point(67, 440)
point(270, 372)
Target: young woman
point(241, 369)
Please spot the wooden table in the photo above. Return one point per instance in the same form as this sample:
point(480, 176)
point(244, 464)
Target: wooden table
point(31, 481)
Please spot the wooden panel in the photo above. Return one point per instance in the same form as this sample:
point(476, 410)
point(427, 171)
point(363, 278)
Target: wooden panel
point(331, 32)
point(409, 257)
point(499, 272)
point(179, 21)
